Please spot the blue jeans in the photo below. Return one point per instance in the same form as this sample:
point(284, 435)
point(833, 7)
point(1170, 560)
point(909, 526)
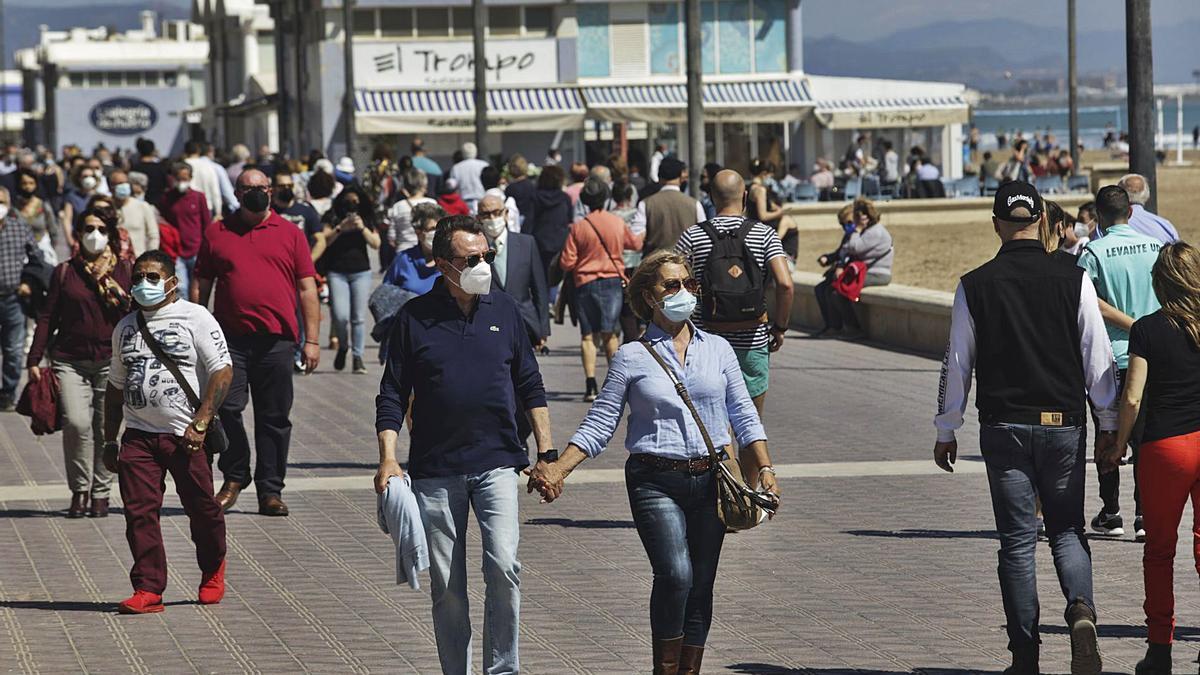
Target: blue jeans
point(1023, 463)
point(444, 503)
point(348, 295)
point(184, 268)
point(12, 344)
point(599, 304)
point(676, 518)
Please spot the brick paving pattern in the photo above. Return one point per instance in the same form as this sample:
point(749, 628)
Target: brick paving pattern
point(859, 573)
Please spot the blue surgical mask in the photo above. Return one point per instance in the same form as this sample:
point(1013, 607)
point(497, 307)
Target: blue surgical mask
point(848, 228)
point(679, 306)
point(147, 294)
point(122, 191)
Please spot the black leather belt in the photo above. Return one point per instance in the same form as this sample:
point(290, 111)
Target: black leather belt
point(1037, 419)
point(695, 467)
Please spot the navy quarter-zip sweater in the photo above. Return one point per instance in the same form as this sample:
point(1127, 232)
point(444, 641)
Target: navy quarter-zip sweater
point(466, 375)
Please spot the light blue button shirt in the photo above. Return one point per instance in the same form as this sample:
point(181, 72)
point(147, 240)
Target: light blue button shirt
point(1152, 225)
point(659, 421)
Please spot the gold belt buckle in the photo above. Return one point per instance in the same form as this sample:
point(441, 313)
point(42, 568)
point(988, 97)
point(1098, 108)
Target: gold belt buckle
point(1052, 419)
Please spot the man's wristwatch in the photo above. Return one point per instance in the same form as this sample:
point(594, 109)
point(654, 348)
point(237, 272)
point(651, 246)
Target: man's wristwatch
point(548, 456)
point(201, 426)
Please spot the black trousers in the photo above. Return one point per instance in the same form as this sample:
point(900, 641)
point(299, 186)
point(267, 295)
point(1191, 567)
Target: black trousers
point(262, 368)
point(1110, 483)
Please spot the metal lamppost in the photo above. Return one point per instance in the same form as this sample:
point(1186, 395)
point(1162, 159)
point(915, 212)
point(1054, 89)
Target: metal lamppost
point(479, 13)
point(695, 96)
point(1072, 89)
point(1139, 67)
point(348, 57)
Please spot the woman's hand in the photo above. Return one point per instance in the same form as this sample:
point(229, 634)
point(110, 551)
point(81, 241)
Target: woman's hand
point(35, 374)
point(823, 261)
point(768, 483)
point(547, 478)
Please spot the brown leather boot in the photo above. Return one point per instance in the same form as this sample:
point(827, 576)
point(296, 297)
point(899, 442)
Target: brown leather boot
point(99, 508)
point(272, 505)
point(689, 660)
point(79, 504)
point(228, 495)
point(666, 656)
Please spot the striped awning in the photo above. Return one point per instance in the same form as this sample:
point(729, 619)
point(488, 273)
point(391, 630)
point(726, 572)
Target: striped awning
point(668, 102)
point(430, 110)
point(880, 113)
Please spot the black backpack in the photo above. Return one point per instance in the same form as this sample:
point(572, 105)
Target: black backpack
point(733, 281)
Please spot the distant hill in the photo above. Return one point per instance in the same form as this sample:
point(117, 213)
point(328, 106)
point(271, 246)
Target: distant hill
point(979, 52)
point(22, 17)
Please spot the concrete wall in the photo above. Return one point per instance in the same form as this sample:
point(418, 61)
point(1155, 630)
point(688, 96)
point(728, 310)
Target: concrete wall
point(73, 107)
point(823, 215)
point(896, 315)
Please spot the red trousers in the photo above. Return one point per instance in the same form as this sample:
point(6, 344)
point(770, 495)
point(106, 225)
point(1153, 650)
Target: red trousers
point(1169, 471)
point(146, 458)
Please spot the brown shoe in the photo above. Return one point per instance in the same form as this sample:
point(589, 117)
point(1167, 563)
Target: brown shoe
point(689, 660)
point(272, 505)
point(666, 656)
point(99, 508)
point(79, 504)
point(228, 495)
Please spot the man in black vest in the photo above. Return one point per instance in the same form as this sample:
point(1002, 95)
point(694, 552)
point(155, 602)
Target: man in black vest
point(1011, 317)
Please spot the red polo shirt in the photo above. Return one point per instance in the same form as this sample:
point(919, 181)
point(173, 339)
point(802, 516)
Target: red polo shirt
point(257, 269)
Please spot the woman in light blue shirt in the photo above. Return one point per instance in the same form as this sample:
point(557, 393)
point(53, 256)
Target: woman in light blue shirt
point(672, 490)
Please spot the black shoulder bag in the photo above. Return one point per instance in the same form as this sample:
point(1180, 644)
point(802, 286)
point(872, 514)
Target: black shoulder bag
point(215, 440)
point(620, 270)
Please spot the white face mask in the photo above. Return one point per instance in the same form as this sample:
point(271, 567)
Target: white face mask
point(95, 241)
point(493, 227)
point(1081, 231)
point(183, 186)
point(3, 211)
point(427, 239)
point(476, 280)
point(88, 182)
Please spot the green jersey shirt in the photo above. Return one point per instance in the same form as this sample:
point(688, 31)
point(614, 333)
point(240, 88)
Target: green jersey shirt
point(1120, 264)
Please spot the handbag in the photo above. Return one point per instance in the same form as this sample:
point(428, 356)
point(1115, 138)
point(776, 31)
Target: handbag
point(738, 506)
point(619, 268)
point(215, 440)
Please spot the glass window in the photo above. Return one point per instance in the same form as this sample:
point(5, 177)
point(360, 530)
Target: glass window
point(538, 20)
point(433, 21)
point(463, 21)
point(115, 78)
point(395, 22)
point(364, 22)
point(76, 79)
point(708, 37)
point(592, 46)
point(170, 78)
point(152, 78)
point(133, 78)
point(770, 36)
point(95, 79)
point(734, 34)
point(664, 39)
point(505, 20)
point(266, 52)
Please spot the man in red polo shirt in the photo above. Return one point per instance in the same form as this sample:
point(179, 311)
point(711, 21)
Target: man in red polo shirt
point(187, 211)
point(261, 263)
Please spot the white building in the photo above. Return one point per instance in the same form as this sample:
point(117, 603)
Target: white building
point(88, 86)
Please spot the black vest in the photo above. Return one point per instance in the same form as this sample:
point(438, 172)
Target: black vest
point(1025, 305)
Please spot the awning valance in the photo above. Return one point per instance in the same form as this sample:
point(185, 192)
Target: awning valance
point(883, 113)
point(428, 110)
point(770, 100)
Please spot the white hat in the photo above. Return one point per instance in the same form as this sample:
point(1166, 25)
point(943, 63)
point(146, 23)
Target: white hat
point(323, 165)
point(345, 165)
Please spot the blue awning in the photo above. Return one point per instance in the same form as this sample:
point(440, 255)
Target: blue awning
point(772, 100)
point(425, 110)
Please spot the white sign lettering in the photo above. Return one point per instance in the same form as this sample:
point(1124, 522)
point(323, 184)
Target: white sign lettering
point(422, 63)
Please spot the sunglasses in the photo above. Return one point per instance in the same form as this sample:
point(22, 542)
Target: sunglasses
point(473, 260)
point(673, 285)
point(152, 277)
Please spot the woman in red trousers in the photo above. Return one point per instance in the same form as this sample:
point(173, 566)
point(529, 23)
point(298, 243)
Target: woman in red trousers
point(1164, 368)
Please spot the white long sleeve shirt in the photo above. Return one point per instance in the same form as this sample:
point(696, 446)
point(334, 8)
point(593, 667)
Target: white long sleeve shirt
point(1100, 371)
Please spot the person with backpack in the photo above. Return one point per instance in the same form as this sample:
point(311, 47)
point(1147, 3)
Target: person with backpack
point(869, 252)
point(732, 257)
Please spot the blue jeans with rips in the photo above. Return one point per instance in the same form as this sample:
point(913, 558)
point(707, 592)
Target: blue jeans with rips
point(444, 503)
point(1025, 462)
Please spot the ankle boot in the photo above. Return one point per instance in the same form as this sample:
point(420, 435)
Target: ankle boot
point(666, 656)
point(1157, 660)
point(79, 505)
point(689, 660)
point(1024, 661)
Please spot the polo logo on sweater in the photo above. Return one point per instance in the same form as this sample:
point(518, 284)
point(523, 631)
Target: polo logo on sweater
point(495, 329)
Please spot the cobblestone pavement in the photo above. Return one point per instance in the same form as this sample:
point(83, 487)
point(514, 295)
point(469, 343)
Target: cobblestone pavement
point(878, 562)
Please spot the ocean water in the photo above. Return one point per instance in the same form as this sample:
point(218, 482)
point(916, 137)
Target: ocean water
point(1094, 121)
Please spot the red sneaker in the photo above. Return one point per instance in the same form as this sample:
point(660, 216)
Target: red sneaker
point(141, 602)
point(212, 586)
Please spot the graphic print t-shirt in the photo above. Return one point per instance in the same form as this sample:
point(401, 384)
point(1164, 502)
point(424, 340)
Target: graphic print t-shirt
point(154, 401)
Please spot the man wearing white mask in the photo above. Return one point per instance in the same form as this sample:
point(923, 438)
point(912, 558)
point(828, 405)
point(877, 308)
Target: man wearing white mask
point(136, 216)
point(461, 353)
point(518, 269)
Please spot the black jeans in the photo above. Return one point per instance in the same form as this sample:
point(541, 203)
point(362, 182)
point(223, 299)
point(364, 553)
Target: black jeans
point(676, 518)
point(1110, 483)
point(262, 368)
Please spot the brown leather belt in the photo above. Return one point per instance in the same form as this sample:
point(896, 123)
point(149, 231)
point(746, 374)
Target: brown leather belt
point(695, 466)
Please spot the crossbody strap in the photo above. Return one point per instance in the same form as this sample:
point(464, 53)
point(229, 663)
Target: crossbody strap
point(687, 400)
point(167, 361)
point(620, 270)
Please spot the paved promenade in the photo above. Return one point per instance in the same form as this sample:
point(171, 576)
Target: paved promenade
point(877, 563)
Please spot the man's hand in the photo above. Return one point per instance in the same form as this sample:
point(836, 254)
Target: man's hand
point(312, 357)
point(823, 261)
point(945, 454)
point(547, 479)
point(1108, 455)
point(193, 441)
point(111, 451)
point(776, 338)
point(35, 374)
point(387, 469)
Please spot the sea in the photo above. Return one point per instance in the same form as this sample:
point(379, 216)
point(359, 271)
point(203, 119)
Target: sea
point(1095, 120)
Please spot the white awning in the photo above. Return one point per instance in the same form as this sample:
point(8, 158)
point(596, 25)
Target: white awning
point(881, 113)
point(762, 100)
point(429, 111)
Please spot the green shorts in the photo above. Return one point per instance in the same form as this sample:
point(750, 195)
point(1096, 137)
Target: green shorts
point(755, 364)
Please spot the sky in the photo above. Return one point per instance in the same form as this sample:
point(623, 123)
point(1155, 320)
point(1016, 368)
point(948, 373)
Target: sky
point(869, 19)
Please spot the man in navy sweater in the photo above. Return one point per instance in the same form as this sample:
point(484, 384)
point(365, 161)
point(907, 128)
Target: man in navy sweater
point(461, 353)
